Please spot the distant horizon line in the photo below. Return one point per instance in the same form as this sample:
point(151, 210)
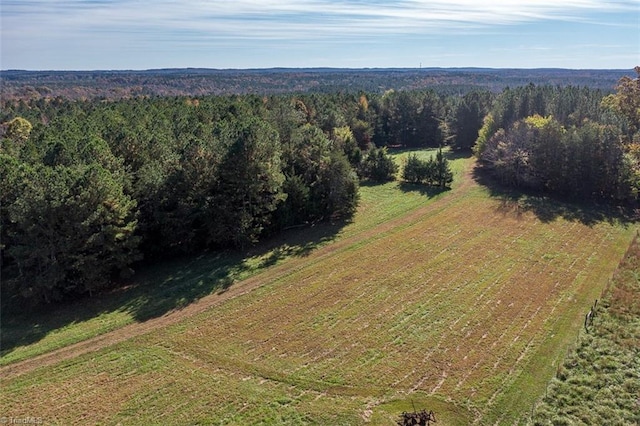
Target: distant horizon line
point(317, 69)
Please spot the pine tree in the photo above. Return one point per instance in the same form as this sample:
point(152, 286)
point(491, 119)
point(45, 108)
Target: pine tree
point(379, 166)
point(443, 173)
point(72, 229)
point(249, 184)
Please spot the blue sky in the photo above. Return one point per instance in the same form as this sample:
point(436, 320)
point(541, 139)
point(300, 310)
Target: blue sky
point(146, 34)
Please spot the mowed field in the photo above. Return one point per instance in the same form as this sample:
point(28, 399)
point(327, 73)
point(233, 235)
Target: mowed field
point(461, 302)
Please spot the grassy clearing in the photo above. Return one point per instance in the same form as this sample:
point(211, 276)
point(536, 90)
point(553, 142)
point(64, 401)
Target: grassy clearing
point(456, 303)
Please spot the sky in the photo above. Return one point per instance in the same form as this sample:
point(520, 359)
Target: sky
point(150, 34)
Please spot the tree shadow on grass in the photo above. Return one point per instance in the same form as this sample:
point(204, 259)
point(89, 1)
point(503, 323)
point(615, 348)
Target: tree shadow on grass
point(548, 208)
point(161, 287)
point(370, 183)
point(452, 155)
point(425, 190)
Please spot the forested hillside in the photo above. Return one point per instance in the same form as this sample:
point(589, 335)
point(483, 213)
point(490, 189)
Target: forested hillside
point(89, 188)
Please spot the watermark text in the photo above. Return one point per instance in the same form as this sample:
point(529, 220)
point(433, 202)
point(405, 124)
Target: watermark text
point(26, 420)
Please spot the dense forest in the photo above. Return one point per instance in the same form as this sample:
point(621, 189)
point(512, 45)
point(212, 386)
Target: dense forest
point(17, 84)
point(573, 142)
point(90, 187)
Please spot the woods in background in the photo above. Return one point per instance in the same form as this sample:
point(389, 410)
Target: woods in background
point(88, 188)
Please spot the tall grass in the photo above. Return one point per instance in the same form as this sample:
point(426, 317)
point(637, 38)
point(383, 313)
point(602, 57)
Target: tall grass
point(599, 381)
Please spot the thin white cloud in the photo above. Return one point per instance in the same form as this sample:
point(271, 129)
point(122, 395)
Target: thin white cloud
point(285, 18)
point(275, 18)
point(87, 27)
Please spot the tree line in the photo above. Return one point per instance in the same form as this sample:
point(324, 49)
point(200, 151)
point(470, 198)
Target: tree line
point(574, 143)
point(88, 188)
